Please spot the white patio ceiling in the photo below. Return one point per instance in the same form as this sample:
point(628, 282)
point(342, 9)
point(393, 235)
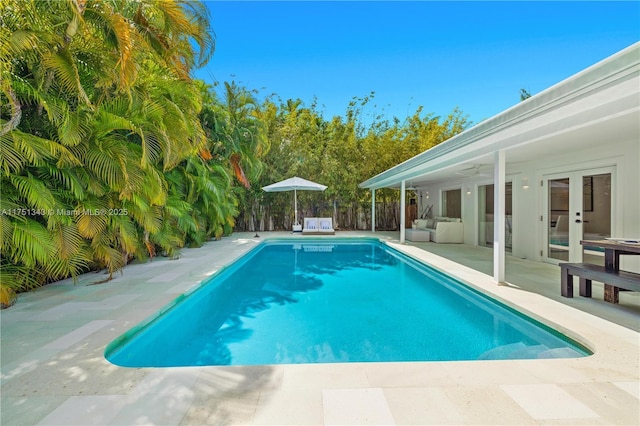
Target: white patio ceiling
point(585, 110)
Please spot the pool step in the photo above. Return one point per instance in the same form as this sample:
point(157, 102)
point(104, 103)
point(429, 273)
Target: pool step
point(521, 351)
point(560, 353)
point(516, 351)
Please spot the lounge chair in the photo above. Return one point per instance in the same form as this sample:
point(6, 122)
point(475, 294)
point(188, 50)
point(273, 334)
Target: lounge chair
point(311, 226)
point(326, 226)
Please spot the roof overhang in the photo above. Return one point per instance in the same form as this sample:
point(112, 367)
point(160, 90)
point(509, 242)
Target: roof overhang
point(575, 114)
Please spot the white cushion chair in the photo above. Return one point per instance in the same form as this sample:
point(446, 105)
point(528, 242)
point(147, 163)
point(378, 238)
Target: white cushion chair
point(326, 226)
point(311, 226)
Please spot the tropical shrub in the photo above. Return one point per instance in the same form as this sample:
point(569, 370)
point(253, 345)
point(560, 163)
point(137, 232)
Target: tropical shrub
point(104, 154)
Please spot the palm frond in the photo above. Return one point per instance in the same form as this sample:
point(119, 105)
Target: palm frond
point(127, 233)
point(201, 33)
point(106, 254)
point(31, 244)
point(105, 161)
point(68, 178)
point(11, 160)
point(33, 149)
point(6, 233)
point(75, 128)
point(28, 92)
point(144, 214)
point(34, 192)
point(127, 67)
point(20, 41)
point(66, 71)
point(69, 242)
point(92, 222)
point(59, 268)
point(169, 240)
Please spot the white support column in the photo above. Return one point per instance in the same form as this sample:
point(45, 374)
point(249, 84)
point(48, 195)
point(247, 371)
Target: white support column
point(402, 210)
point(499, 210)
point(373, 210)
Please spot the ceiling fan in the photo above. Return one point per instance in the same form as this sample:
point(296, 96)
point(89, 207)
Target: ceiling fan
point(411, 188)
point(474, 170)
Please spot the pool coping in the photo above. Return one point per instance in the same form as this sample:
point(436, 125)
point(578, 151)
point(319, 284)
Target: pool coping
point(599, 388)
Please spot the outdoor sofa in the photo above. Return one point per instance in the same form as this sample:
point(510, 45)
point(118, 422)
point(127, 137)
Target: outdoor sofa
point(438, 230)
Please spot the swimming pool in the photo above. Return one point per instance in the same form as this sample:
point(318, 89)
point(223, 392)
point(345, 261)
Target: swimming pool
point(333, 300)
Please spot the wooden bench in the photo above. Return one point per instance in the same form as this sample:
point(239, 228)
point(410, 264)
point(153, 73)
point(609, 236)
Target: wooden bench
point(613, 280)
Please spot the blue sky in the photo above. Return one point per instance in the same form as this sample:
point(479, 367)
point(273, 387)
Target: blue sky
point(472, 55)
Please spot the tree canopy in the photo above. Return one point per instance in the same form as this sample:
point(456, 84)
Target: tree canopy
point(339, 152)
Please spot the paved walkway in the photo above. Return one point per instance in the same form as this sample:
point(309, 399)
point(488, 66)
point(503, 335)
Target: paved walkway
point(54, 372)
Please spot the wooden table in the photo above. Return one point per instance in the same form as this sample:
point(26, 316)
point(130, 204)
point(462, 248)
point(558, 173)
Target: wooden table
point(612, 252)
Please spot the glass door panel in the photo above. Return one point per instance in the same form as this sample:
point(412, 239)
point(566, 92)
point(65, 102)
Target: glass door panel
point(558, 219)
point(485, 215)
point(596, 200)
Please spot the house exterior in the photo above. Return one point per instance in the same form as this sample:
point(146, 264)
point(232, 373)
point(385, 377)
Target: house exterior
point(536, 179)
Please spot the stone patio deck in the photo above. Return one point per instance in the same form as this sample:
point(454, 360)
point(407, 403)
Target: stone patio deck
point(54, 371)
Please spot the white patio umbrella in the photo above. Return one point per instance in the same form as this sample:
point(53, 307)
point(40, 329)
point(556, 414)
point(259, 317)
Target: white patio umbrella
point(294, 184)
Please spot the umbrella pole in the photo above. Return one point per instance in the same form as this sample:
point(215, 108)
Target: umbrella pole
point(295, 198)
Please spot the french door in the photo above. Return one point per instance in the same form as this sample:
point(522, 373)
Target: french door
point(578, 206)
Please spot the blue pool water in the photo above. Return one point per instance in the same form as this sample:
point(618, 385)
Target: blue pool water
point(321, 301)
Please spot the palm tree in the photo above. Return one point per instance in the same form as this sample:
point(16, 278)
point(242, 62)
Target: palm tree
point(99, 105)
point(236, 133)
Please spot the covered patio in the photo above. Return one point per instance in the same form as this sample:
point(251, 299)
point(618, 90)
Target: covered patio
point(587, 125)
